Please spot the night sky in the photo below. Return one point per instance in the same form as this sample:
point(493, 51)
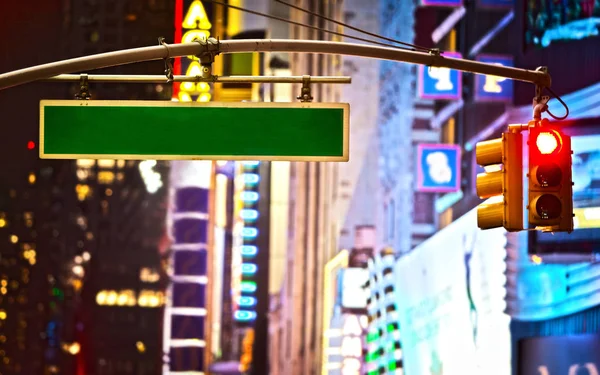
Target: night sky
point(31, 35)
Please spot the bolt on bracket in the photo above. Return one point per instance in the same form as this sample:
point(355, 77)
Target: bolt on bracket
point(207, 57)
point(84, 88)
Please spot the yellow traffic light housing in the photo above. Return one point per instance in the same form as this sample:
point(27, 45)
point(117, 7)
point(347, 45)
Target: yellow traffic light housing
point(504, 184)
point(550, 179)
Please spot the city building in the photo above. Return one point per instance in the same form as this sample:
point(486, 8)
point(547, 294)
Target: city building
point(384, 349)
point(312, 228)
point(82, 283)
point(121, 205)
point(545, 280)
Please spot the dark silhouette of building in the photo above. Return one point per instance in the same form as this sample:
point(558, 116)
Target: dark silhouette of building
point(72, 233)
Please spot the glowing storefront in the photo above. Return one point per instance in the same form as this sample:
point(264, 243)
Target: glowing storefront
point(187, 321)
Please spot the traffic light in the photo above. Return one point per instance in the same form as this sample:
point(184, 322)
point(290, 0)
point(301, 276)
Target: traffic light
point(550, 181)
point(503, 160)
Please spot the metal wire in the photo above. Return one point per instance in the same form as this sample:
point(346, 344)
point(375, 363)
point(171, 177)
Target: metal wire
point(307, 26)
point(413, 46)
point(561, 102)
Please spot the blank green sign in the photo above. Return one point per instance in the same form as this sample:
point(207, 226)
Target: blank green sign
point(176, 131)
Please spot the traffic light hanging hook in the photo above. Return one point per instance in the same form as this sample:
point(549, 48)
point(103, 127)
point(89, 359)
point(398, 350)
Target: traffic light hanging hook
point(540, 103)
point(84, 88)
point(168, 60)
point(305, 94)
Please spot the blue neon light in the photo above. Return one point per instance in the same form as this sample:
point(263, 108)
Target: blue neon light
point(251, 178)
point(248, 250)
point(250, 163)
point(249, 268)
point(246, 301)
point(249, 214)
point(249, 196)
point(249, 232)
point(248, 286)
point(245, 315)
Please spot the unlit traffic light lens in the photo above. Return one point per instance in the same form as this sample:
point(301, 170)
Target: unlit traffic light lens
point(548, 206)
point(548, 142)
point(548, 175)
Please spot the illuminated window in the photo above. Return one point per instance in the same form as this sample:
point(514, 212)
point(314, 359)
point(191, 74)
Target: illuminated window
point(83, 174)
point(86, 163)
point(106, 163)
point(120, 163)
point(83, 191)
point(106, 177)
point(149, 275)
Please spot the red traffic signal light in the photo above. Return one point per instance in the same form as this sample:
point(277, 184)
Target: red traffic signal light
point(548, 142)
point(550, 186)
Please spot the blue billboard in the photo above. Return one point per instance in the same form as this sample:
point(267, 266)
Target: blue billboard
point(440, 83)
point(438, 168)
point(489, 88)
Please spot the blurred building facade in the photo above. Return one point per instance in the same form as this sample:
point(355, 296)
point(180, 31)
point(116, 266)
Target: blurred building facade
point(121, 205)
point(86, 231)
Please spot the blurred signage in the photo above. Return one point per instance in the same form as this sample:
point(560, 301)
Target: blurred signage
point(191, 25)
point(247, 345)
point(354, 294)
point(441, 3)
point(559, 355)
point(489, 88)
point(438, 168)
point(245, 249)
point(440, 83)
point(496, 4)
point(352, 344)
point(450, 293)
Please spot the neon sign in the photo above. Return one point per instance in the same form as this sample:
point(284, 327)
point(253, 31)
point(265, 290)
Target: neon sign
point(440, 83)
point(197, 27)
point(490, 87)
point(245, 232)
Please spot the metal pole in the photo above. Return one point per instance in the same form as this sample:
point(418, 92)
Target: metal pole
point(219, 79)
point(22, 76)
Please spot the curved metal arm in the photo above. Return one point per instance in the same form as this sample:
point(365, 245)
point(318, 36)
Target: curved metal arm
point(87, 63)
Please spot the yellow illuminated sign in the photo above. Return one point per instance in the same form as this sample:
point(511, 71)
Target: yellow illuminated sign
point(197, 27)
point(247, 343)
point(196, 17)
point(491, 84)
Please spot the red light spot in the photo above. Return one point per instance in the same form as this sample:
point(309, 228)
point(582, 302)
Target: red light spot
point(31, 145)
point(547, 142)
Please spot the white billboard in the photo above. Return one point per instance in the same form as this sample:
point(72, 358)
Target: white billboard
point(450, 299)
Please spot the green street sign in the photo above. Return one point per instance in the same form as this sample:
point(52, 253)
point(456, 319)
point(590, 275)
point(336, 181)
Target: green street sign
point(164, 130)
